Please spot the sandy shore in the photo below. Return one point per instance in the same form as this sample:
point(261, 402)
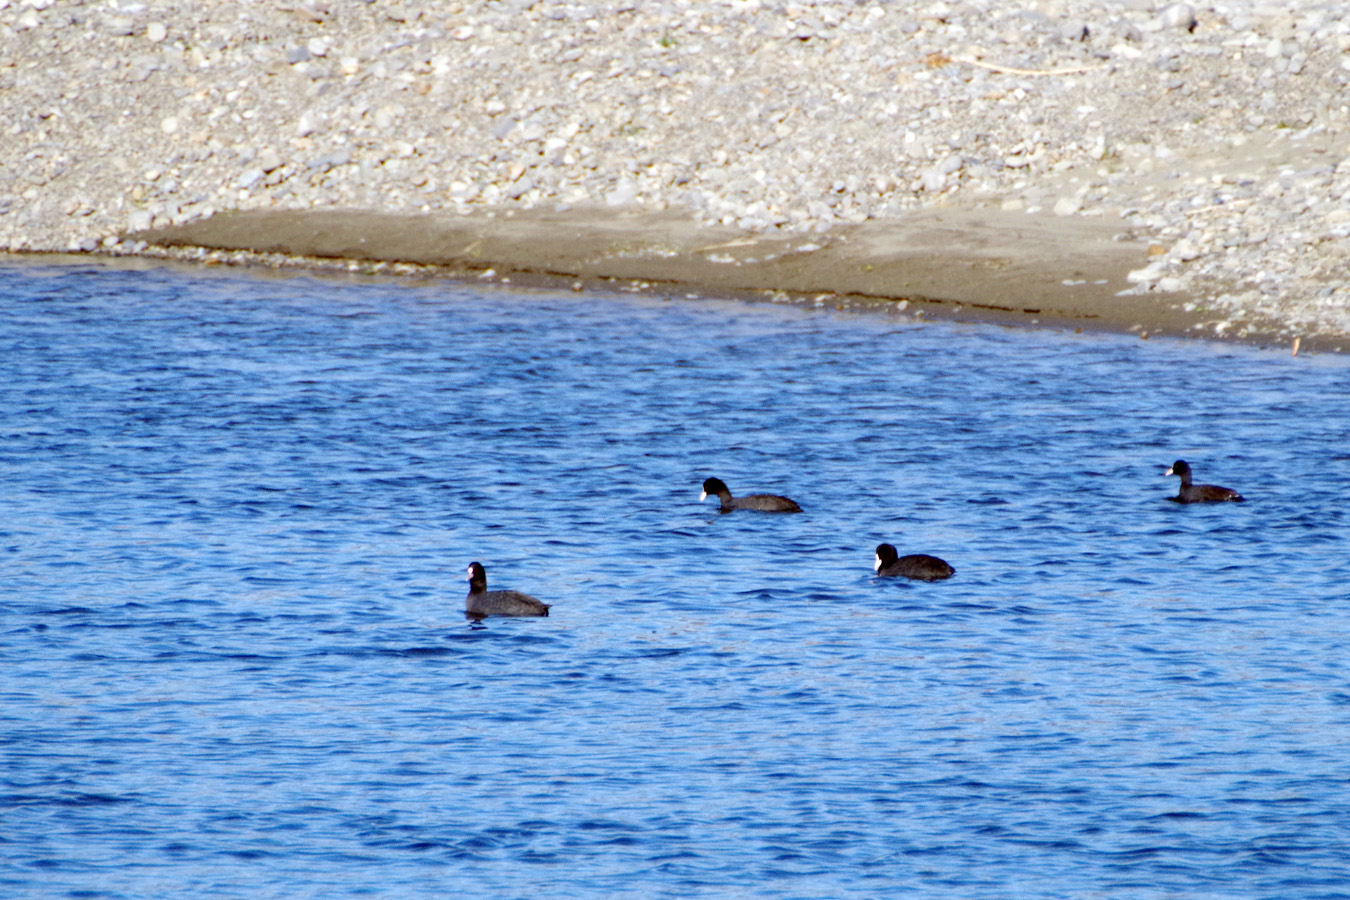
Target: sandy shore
point(971, 266)
point(1156, 167)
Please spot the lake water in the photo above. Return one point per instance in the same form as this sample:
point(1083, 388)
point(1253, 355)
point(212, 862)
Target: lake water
point(238, 509)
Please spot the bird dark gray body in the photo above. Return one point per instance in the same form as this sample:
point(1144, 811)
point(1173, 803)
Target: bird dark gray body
point(1199, 493)
point(919, 566)
point(482, 602)
point(714, 487)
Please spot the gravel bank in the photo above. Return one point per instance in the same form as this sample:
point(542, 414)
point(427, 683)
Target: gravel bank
point(1215, 138)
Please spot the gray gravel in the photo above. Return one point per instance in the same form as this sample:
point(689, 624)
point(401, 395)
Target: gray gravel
point(1218, 132)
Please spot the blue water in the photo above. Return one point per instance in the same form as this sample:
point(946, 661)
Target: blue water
point(238, 508)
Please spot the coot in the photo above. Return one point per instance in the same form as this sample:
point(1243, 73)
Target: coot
point(1199, 493)
point(482, 602)
point(919, 566)
point(714, 487)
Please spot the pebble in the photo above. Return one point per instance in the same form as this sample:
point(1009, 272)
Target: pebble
point(1067, 206)
point(1177, 15)
point(1216, 131)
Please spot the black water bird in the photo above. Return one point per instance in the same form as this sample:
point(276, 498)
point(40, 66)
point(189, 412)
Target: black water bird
point(482, 602)
point(919, 566)
point(1199, 493)
point(713, 487)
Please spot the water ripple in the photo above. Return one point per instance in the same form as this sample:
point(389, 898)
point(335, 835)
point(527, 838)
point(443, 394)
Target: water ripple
point(231, 608)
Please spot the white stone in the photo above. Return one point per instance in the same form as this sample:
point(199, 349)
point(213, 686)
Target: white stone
point(248, 178)
point(1148, 273)
point(1184, 250)
point(1177, 15)
point(624, 193)
point(932, 181)
point(269, 160)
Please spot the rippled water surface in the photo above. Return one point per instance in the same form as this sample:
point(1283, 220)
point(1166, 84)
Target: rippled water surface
point(238, 509)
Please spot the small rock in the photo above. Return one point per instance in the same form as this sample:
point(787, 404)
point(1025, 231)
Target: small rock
point(461, 192)
point(269, 160)
point(1185, 251)
point(1169, 62)
point(1177, 15)
point(1075, 30)
point(329, 161)
point(519, 188)
point(248, 178)
point(932, 181)
point(119, 26)
point(624, 193)
point(1148, 273)
point(1067, 206)
point(156, 32)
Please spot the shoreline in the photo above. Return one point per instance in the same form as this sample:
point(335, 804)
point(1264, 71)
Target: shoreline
point(1156, 167)
point(967, 265)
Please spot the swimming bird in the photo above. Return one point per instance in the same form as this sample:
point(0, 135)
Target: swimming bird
point(713, 487)
point(919, 566)
point(1199, 493)
point(482, 602)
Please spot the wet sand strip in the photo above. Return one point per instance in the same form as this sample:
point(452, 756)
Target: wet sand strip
point(966, 265)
